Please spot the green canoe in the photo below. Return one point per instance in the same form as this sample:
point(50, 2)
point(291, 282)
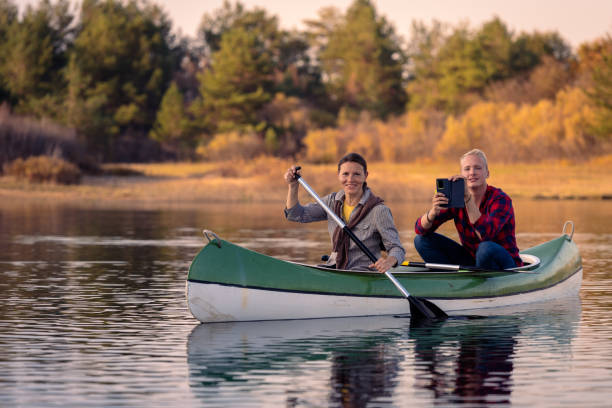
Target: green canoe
point(227, 282)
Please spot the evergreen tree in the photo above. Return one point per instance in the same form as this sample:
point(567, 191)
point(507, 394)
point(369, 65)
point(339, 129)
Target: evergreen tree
point(120, 68)
point(172, 125)
point(452, 71)
point(237, 85)
point(8, 16)
point(528, 50)
point(292, 73)
point(601, 94)
point(34, 54)
point(470, 61)
point(362, 63)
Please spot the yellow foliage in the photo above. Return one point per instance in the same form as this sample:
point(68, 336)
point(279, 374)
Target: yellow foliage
point(232, 145)
point(547, 129)
point(507, 132)
point(322, 145)
point(365, 143)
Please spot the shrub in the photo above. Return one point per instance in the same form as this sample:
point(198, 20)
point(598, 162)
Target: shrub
point(545, 130)
point(232, 145)
point(44, 169)
point(322, 145)
point(22, 137)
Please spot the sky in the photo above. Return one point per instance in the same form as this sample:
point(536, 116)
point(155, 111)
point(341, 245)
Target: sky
point(576, 21)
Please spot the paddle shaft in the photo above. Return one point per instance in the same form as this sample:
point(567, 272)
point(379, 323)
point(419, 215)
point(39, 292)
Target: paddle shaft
point(350, 233)
point(450, 267)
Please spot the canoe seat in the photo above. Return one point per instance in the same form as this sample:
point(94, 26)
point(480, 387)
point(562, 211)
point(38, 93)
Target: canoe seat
point(529, 262)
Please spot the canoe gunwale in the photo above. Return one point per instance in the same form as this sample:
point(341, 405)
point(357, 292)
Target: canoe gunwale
point(425, 272)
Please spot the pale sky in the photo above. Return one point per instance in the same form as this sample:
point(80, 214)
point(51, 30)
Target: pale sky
point(576, 21)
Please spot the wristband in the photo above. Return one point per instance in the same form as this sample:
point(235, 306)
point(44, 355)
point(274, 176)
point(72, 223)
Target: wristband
point(427, 216)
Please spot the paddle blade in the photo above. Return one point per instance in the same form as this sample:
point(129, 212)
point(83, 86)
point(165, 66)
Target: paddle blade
point(423, 309)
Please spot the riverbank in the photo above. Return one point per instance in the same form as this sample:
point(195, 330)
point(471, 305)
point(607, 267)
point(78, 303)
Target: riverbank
point(261, 180)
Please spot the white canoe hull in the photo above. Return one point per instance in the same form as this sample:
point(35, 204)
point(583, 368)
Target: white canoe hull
point(211, 302)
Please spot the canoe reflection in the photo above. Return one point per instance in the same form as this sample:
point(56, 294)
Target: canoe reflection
point(354, 362)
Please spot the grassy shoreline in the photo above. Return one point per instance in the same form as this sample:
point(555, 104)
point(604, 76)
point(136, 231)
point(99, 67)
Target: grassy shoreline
point(261, 181)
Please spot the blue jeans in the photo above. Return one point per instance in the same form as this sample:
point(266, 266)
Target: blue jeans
point(436, 248)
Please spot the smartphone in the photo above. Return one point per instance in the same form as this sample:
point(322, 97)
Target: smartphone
point(454, 190)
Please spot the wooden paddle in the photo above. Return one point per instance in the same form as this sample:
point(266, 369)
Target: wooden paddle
point(420, 309)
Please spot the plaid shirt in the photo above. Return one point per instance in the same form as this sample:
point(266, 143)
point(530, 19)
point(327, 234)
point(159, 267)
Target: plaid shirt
point(496, 224)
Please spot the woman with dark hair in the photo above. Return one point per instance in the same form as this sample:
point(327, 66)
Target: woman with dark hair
point(364, 213)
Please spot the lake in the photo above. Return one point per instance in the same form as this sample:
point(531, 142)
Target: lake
point(94, 315)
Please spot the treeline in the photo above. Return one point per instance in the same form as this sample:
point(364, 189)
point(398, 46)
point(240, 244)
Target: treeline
point(117, 76)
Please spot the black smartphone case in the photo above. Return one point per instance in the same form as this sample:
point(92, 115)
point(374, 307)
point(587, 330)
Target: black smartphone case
point(453, 190)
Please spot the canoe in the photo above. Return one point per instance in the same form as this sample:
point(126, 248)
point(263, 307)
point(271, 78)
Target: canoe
point(227, 282)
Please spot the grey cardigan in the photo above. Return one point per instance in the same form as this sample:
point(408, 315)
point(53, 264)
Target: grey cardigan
point(376, 229)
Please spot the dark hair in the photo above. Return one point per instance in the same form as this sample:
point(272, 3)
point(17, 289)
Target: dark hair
point(355, 158)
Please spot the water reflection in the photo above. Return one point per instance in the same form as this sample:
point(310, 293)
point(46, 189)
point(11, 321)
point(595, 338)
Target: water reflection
point(467, 362)
point(357, 358)
point(472, 361)
point(369, 360)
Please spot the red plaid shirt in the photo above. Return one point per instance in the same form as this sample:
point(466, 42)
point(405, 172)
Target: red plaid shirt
point(495, 224)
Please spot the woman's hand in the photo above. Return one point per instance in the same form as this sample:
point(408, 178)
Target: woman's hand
point(290, 176)
point(438, 203)
point(466, 192)
point(384, 264)
point(292, 192)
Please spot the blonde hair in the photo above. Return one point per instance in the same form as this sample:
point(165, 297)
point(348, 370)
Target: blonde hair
point(476, 152)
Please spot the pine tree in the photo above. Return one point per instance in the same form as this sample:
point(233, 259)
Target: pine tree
point(172, 125)
point(362, 63)
point(237, 85)
point(601, 95)
point(34, 53)
point(121, 66)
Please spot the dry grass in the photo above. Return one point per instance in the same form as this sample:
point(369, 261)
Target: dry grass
point(261, 180)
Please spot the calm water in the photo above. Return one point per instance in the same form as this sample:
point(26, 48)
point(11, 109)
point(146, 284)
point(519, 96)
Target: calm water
point(93, 314)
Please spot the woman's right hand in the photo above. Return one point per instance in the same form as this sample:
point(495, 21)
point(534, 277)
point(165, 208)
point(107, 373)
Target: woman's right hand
point(437, 203)
point(290, 175)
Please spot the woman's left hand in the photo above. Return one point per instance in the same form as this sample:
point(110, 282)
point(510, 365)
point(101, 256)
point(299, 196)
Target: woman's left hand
point(384, 264)
point(466, 192)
